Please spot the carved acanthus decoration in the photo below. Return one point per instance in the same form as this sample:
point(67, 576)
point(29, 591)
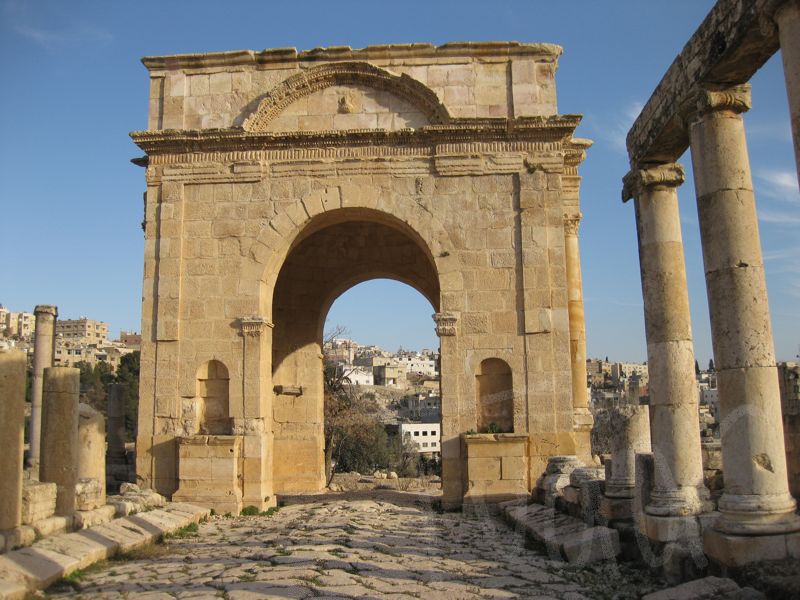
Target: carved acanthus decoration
point(735, 98)
point(571, 224)
point(345, 73)
point(445, 323)
point(253, 326)
point(637, 180)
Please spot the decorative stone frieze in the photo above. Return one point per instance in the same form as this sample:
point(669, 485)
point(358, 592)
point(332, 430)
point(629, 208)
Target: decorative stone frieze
point(445, 323)
point(339, 73)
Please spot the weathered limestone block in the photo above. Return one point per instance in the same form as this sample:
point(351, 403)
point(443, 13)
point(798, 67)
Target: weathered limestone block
point(89, 494)
point(115, 411)
point(12, 424)
point(629, 427)
point(59, 458)
point(496, 467)
point(91, 457)
point(38, 501)
point(708, 588)
point(556, 477)
point(208, 469)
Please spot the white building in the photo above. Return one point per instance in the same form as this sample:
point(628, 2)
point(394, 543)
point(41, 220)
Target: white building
point(418, 364)
point(427, 436)
point(357, 375)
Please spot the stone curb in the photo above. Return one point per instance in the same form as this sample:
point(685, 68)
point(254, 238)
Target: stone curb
point(570, 539)
point(45, 562)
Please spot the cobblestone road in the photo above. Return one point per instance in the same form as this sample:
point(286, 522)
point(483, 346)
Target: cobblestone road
point(333, 548)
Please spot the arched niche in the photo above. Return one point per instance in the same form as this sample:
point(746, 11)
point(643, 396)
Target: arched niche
point(213, 397)
point(495, 397)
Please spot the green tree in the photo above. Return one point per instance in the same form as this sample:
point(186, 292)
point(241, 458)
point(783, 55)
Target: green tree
point(128, 376)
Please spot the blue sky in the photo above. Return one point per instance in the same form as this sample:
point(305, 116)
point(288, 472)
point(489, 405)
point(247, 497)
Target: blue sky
point(71, 202)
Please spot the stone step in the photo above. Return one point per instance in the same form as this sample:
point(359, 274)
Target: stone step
point(571, 539)
point(46, 561)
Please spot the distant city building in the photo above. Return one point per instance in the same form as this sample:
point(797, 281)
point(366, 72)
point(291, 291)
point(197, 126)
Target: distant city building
point(390, 375)
point(130, 339)
point(427, 436)
point(425, 406)
point(83, 330)
point(789, 381)
point(356, 375)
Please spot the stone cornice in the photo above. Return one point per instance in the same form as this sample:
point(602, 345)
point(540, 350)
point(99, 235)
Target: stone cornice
point(575, 151)
point(637, 180)
point(543, 52)
point(458, 131)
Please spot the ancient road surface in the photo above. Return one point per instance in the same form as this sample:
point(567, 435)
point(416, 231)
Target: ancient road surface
point(359, 548)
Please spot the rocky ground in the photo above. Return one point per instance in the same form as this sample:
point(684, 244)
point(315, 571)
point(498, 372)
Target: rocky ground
point(359, 545)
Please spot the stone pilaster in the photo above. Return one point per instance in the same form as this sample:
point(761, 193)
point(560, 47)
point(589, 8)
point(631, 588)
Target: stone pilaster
point(678, 488)
point(582, 418)
point(12, 425)
point(453, 458)
point(756, 498)
point(43, 350)
point(787, 16)
point(59, 459)
point(256, 426)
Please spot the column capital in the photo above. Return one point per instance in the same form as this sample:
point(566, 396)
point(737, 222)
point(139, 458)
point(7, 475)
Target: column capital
point(445, 323)
point(735, 98)
point(571, 223)
point(254, 325)
point(637, 180)
point(46, 309)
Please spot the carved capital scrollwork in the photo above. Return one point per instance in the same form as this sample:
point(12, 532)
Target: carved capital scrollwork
point(572, 223)
point(637, 180)
point(445, 323)
point(252, 326)
point(735, 98)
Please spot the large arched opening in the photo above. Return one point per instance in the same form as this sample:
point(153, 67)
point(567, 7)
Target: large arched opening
point(333, 253)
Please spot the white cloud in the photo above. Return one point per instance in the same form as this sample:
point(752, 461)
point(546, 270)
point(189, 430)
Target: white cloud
point(779, 217)
point(71, 31)
point(614, 129)
point(779, 184)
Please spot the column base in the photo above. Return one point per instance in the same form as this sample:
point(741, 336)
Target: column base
point(739, 550)
point(616, 509)
point(675, 528)
point(757, 515)
point(679, 502)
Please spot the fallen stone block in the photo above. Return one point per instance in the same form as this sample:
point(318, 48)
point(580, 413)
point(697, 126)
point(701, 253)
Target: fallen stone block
point(708, 588)
point(567, 537)
point(52, 526)
point(12, 590)
point(89, 518)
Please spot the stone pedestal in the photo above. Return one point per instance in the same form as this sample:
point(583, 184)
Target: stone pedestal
point(208, 472)
point(59, 457)
point(92, 451)
point(550, 487)
point(630, 433)
point(43, 350)
point(12, 425)
point(497, 467)
point(756, 500)
point(678, 488)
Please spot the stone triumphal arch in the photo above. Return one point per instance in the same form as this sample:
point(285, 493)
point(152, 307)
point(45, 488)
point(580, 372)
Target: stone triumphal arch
point(276, 180)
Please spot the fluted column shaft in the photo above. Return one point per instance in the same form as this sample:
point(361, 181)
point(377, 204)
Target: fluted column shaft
point(756, 498)
point(675, 435)
point(43, 350)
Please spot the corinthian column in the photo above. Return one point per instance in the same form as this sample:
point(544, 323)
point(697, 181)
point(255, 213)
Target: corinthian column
point(43, 349)
point(756, 498)
point(678, 488)
point(577, 324)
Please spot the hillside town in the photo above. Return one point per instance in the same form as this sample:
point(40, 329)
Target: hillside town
point(80, 340)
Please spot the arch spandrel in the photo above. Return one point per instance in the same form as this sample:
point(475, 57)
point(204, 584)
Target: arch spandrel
point(351, 75)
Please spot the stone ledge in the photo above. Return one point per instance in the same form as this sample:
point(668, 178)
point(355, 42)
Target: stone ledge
point(570, 539)
point(40, 565)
